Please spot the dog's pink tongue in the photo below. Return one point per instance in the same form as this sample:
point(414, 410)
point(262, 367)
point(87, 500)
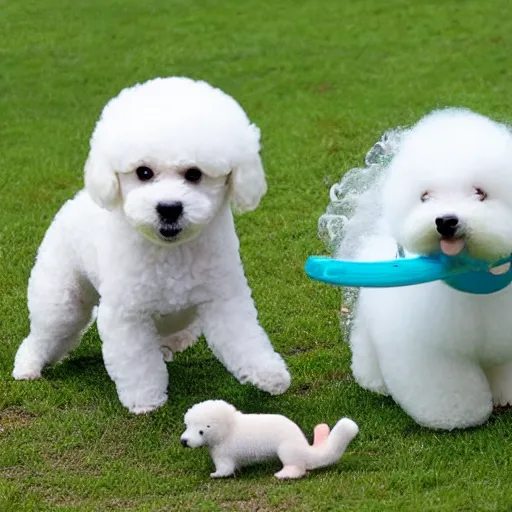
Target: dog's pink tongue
point(452, 247)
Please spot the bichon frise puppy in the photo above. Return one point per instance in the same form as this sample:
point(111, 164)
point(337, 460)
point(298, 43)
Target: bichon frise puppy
point(236, 439)
point(444, 355)
point(151, 241)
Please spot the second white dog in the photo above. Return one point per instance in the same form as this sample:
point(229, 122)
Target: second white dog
point(445, 356)
point(151, 241)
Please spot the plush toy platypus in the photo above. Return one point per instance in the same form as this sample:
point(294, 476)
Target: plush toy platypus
point(236, 439)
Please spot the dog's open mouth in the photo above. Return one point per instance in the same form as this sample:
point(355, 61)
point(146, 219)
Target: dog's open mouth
point(168, 232)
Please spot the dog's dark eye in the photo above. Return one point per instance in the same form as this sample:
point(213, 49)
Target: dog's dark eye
point(201, 432)
point(482, 196)
point(193, 175)
point(425, 196)
point(144, 173)
point(207, 426)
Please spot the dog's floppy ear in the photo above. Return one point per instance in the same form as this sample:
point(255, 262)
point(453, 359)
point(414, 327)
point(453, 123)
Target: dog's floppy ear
point(248, 184)
point(101, 182)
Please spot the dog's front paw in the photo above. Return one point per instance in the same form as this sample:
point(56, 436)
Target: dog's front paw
point(223, 468)
point(270, 376)
point(221, 474)
point(19, 374)
point(26, 370)
point(30, 360)
point(136, 407)
point(143, 410)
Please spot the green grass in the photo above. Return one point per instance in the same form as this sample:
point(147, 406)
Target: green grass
point(322, 80)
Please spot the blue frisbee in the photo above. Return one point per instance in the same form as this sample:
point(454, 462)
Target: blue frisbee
point(461, 272)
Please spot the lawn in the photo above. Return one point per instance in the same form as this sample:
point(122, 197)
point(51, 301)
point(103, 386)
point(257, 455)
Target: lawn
point(323, 80)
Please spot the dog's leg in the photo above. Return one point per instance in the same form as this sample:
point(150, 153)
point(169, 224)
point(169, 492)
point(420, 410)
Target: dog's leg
point(500, 380)
point(179, 341)
point(291, 471)
point(60, 304)
point(365, 363)
point(292, 454)
point(224, 466)
point(131, 351)
point(437, 390)
point(233, 333)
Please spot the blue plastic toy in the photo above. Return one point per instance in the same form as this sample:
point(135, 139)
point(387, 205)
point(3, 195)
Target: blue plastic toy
point(461, 272)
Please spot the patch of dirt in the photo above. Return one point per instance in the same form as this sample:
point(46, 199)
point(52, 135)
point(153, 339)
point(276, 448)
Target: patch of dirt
point(14, 417)
point(83, 460)
point(332, 148)
point(334, 377)
point(256, 504)
point(15, 473)
point(304, 388)
point(76, 502)
point(338, 375)
point(324, 87)
point(298, 350)
point(122, 504)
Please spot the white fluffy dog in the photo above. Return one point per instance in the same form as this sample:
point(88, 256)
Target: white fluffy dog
point(151, 241)
point(445, 356)
point(236, 439)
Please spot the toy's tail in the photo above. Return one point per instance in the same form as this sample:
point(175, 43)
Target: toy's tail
point(328, 452)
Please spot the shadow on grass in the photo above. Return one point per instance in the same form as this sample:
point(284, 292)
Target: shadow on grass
point(348, 464)
point(415, 430)
point(202, 378)
point(90, 369)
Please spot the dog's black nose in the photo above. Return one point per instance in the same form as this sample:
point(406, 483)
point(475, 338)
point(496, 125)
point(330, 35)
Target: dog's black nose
point(170, 212)
point(184, 443)
point(447, 225)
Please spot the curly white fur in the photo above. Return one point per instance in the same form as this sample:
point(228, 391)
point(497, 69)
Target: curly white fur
point(443, 355)
point(160, 277)
point(236, 439)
